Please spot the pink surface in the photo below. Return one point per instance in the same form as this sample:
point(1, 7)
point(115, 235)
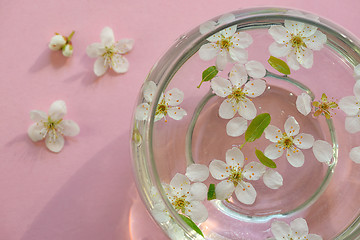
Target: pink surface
point(87, 191)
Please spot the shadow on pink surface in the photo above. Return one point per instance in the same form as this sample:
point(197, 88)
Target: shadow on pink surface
point(99, 201)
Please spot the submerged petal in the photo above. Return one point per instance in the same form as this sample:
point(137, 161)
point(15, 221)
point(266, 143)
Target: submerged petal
point(349, 105)
point(272, 179)
point(174, 97)
point(303, 104)
point(207, 27)
point(280, 230)
point(323, 151)
point(355, 154)
point(197, 212)
point(142, 111)
point(352, 124)
point(208, 51)
point(245, 193)
point(149, 91)
point(222, 59)
point(198, 192)
point(197, 172)
point(176, 113)
point(236, 127)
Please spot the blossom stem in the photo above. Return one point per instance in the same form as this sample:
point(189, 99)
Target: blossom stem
point(242, 145)
point(70, 36)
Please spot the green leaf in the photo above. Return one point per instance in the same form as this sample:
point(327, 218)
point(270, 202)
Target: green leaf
point(264, 160)
point(211, 193)
point(257, 127)
point(279, 65)
point(191, 224)
point(208, 74)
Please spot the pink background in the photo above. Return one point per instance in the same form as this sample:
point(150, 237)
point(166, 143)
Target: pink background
point(87, 191)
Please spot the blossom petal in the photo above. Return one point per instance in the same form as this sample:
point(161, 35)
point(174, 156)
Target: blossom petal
point(299, 227)
point(119, 64)
point(356, 89)
point(54, 146)
point(107, 36)
point(69, 128)
point(303, 104)
point(314, 237)
point(142, 111)
point(227, 109)
point(355, 154)
point(272, 133)
point(95, 50)
point(308, 30)
point(273, 151)
point(224, 189)
point(124, 45)
point(245, 193)
point(197, 172)
point(35, 132)
point(234, 157)
point(219, 169)
point(349, 105)
point(208, 51)
point(197, 212)
point(357, 72)
point(253, 170)
point(238, 54)
point(236, 127)
point(272, 179)
point(242, 40)
point(247, 109)
point(174, 97)
point(280, 229)
point(159, 213)
point(304, 141)
point(229, 32)
point(207, 27)
point(255, 88)
point(291, 126)
point(255, 69)
point(323, 151)
point(176, 113)
point(294, 27)
point(100, 67)
point(238, 75)
point(352, 124)
point(279, 50)
point(315, 41)
point(226, 18)
point(295, 157)
point(149, 91)
point(37, 115)
point(221, 86)
point(292, 61)
point(221, 60)
point(57, 110)
point(214, 38)
point(305, 57)
point(198, 192)
point(180, 183)
point(280, 34)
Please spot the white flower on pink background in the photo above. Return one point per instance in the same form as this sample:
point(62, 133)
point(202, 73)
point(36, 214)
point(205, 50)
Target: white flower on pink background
point(298, 229)
point(303, 103)
point(351, 106)
point(110, 53)
point(238, 90)
point(226, 45)
point(290, 140)
point(52, 127)
point(323, 151)
point(234, 174)
point(296, 41)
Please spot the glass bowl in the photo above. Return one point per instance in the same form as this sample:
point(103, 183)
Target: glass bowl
point(206, 104)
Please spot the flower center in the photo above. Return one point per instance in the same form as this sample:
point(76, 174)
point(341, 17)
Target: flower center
point(236, 175)
point(109, 54)
point(225, 43)
point(287, 141)
point(161, 108)
point(180, 203)
point(297, 42)
point(237, 94)
point(52, 128)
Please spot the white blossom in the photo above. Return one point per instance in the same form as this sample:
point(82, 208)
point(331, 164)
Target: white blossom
point(237, 90)
point(236, 127)
point(233, 174)
point(57, 42)
point(355, 154)
point(67, 50)
point(303, 104)
point(297, 229)
point(226, 45)
point(110, 53)
point(52, 127)
point(290, 140)
point(351, 106)
point(296, 41)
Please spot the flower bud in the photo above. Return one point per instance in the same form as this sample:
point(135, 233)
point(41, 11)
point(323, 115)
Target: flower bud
point(57, 42)
point(67, 50)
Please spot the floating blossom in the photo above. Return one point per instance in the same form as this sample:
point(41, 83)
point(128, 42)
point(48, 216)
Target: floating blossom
point(110, 53)
point(324, 107)
point(236, 127)
point(272, 179)
point(59, 42)
point(290, 140)
point(323, 151)
point(232, 173)
point(355, 154)
point(298, 229)
point(186, 198)
point(303, 104)
point(52, 127)
point(296, 41)
point(227, 46)
point(236, 90)
point(168, 104)
point(351, 106)
point(211, 25)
